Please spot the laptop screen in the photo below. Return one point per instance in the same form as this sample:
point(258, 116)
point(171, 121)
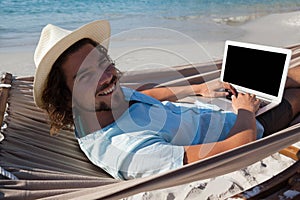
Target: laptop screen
point(255, 69)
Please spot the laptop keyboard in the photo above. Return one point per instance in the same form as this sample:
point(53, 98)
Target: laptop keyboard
point(229, 95)
point(263, 103)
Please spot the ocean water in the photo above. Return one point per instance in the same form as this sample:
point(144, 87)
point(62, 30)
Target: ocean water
point(22, 20)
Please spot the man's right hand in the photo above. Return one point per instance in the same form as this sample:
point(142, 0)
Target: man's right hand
point(245, 101)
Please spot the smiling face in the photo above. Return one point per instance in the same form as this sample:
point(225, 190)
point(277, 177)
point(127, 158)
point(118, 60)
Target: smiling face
point(93, 79)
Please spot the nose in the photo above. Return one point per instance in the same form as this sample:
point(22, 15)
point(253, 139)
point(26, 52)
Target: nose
point(106, 78)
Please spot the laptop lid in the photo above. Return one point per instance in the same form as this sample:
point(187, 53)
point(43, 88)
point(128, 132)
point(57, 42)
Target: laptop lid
point(256, 69)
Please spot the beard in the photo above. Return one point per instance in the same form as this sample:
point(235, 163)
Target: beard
point(116, 101)
point(102, 107)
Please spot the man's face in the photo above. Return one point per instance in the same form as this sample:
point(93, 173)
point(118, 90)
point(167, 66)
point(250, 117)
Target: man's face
point(92, 78)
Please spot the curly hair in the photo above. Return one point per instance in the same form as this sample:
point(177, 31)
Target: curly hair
point(60, 109)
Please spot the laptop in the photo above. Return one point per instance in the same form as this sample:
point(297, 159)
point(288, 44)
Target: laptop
point(256, 69)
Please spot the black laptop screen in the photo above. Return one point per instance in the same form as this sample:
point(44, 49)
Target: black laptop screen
point(254, 69)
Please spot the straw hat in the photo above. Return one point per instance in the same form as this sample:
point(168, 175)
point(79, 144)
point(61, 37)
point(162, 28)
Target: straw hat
point(54, 41)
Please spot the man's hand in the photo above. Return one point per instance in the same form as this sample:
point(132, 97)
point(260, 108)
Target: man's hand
point(246, 102)
point(214, 88)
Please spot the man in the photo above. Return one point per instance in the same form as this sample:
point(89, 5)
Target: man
point(134, 134)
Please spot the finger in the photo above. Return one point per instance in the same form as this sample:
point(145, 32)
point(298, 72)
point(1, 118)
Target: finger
point(227, 86)
point(230, 91)
point(221, 94)
point(257, 105)
point(257, 101)
point(250, 96)
point(254, 97)
point(240, 94)
point(233, 90)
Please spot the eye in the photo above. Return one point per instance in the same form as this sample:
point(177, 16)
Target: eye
point(106, 65)
point(110, 67)
point(83, 76)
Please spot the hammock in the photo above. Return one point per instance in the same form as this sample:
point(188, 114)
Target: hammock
point(36, 165)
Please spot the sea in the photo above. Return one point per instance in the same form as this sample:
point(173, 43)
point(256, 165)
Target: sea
point(21, 21)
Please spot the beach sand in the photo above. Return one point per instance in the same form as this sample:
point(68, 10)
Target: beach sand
point(279, 30)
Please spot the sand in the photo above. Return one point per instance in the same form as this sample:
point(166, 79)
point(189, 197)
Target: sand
point(130, 54)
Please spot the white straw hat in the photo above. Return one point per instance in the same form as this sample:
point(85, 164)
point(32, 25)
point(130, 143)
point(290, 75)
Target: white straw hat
point(54, 41)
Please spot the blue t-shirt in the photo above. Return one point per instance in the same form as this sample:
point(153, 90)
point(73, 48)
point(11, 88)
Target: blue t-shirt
point(149, 136)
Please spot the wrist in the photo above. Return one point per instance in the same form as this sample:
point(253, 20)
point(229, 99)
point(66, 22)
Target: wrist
point(246, 112)
point(246, 118)
point(198, 89)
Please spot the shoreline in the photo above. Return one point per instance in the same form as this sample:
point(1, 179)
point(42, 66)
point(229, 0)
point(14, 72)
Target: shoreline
point(133, 50)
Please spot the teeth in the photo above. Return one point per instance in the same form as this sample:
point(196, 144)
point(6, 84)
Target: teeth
point(108, 91)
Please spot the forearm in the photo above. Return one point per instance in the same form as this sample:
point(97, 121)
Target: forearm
point(201, 151)
point(243, 132)
point(198, 152)
point(170, 93)
point(245, 122)
point(211, 88)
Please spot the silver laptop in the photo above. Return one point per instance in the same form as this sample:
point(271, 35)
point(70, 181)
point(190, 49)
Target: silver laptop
point(256, 69)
